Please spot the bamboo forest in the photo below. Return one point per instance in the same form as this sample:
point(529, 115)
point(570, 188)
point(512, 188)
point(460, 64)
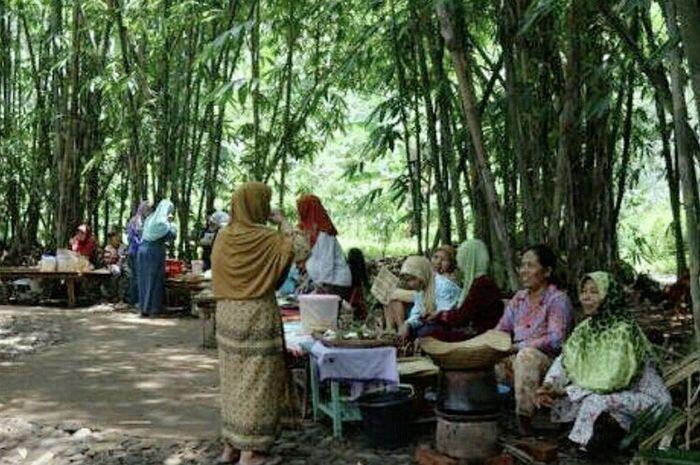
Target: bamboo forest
point(476, 133)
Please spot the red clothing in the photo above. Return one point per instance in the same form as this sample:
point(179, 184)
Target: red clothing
point(480, 311)
point(313, 218)
point(85, 247)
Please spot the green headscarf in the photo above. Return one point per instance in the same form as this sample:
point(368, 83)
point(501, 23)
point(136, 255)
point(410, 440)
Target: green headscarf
point(607, 351)
point(157, 225)
point(473, 261)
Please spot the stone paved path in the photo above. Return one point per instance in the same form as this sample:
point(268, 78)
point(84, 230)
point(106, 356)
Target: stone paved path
point(115, 370)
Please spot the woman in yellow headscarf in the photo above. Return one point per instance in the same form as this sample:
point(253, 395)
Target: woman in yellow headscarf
point(249, 261)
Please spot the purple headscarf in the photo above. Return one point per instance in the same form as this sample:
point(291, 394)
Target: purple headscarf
point(135, 226)
point(139, 217)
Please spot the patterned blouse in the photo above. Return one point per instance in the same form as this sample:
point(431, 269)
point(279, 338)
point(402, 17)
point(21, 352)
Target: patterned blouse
point(543, 326)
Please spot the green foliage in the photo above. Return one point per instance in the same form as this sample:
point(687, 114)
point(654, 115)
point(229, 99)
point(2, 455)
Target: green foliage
point(649, 423)
point(169, 105)
point(670, 457)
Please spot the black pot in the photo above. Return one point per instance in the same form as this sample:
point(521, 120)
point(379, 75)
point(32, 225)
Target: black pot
point(468, 392)
point(386, 417)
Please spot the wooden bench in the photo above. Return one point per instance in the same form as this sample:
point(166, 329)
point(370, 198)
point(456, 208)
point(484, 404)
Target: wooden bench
point(70, 278)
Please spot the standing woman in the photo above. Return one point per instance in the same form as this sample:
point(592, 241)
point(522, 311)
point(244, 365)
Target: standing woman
point(326, 265)
point(134, 230)
point(249, 261)
point(157, 230)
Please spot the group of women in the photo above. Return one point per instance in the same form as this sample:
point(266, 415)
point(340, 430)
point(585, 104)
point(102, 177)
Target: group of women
point(439, 306)
point(604, 367)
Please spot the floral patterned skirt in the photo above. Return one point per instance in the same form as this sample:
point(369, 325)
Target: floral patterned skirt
point(255, 386)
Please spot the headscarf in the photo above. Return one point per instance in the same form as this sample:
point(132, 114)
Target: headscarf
point(143, 210)
point(157, 225)
point(220, 219)
point(608, 350)
point(85, 247)
point(313, 218)
point(420, 267)
point(473, 261)
point(249, 259)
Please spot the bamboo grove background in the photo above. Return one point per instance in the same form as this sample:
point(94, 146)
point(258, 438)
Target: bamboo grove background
point(519, 121)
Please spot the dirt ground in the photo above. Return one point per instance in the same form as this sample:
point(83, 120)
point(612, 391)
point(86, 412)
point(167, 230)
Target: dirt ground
point(94, 386)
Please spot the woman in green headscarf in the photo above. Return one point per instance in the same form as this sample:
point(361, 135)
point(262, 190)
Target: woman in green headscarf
point(605, 366)
point(158, 230)
point(479, 307)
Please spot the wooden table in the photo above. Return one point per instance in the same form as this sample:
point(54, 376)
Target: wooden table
point(69, 277)
point(180, 291)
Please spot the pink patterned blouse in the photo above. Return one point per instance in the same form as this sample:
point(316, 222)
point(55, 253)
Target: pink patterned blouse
point(543, 326)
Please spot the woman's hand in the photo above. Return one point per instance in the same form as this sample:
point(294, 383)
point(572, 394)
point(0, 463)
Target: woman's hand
point(404, 333)
point(276, 216)
point(547, 394)
point(435, 317)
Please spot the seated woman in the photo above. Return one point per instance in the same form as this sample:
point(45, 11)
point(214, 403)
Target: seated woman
point(83, 243)
point(538, 319)
point(605, 366)
point(113, 255)
point(435, 294)
point(326, 265)
point(443, 261)
point(478, 309)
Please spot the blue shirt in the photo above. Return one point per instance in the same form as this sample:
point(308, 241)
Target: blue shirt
point(290, 284)
point(447, 294)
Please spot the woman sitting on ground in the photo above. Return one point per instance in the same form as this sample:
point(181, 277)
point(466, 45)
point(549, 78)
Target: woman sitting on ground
point(538, 318)
point(443, 261)
point(435, 294)
point(326, 266)
point(479, 307)
point(605, 366)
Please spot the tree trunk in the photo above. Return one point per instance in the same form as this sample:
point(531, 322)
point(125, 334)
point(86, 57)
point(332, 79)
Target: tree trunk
point(689, 20)
point(686, 166)
point(441, 185)
point(68, 215)
point(673, 187)
point(569, 142)
point(446, 10)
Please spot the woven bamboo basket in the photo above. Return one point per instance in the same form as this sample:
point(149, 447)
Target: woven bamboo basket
point(482, 351)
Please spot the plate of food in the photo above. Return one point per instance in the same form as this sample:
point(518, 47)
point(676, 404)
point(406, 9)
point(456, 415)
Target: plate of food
point(354, 338)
